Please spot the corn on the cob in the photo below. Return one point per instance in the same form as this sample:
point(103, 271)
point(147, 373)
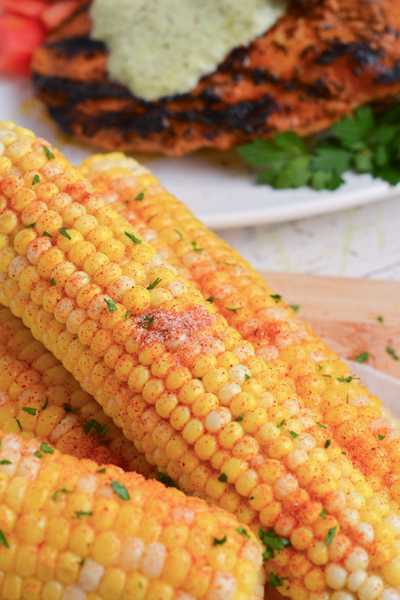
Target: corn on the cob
point(184, 386)
point(72, 531)
point(343, 409)
point(40, 399)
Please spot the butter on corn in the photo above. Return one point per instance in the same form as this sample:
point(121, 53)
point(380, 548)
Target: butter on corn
point(41, 400)
point(158, 357)
point(72, 531)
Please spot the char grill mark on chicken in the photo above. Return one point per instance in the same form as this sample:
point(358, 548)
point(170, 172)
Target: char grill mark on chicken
point(320, 61)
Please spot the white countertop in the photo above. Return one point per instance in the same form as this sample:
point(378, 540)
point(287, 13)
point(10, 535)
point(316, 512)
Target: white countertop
point(359, 242)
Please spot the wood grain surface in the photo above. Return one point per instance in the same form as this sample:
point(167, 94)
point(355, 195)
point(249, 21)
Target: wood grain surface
point(344, 313)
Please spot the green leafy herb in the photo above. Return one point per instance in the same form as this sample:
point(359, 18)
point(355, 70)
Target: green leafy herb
point(217, 542)
point(100, 471)
point(29, 410)
point(392, 353)
point(30, 225)
point(362, 357)
point(379, 318)
point(195, 248)
point(154, 284)
point(46, 448)
point(45, 404)
point(321, 424)
point(247, 377)
point(120, 490)
point(234, 310)
point(83, 513)
point(146, 321)
point(53, 281)
point(103, 430)
point(47, 234)
point(330, 536)
point(36, 179)
point(272, 542)
point(63, 231)
point(19, 424)
point(38, 454)
point(275, 296)
point(5, 462)
point(327, 443)
point(294, 434)
point(347, 379)
point(3, 540)
point(240, 418)
point(223, 478)
point(49, 153)
point(381, 437)
point(128, 312)
point(294, 307)
point(111, 305)
point(281, 423)
point(81, 562)
point(179, 233)
point(210, 300)
point(140, 196)
point(133, 238)
point(242, 530)
point(325, 375)
point(275, 581)
point(323, 514)
point(365, 142)
point(167, 480)
point(255, 331)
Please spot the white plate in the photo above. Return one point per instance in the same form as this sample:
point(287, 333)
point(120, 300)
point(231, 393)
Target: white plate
point(217, 187)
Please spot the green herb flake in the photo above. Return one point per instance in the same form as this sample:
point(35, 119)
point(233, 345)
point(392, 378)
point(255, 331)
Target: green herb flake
point(217, 542)
point(275, 297)
point(30, 225)
point(103, 430)
point(167, 480)
point(210, 300)
point(255, 332)
point(100, 471)
point(321, 425)
point(133, 238)
point(195, 248)
point(45, 405)
point(48, 152)
point(392, 352)
point(243, 531)
point(347, 379)
point(19, 424)
point(53, 281)
point(294, 434)
point(38, 454)
point(154, 284)
point(247, 377)
point(83, 513)
point(275, 581)
point(294, 307)
point(29, 410)
point(323, 514)
point(327, 443)
point(64, 232)
point(330, 536)
point(325, 375)
point(140, 196)
point(146, 321)
point(281, 423)
point(61, 491)
point(223, 478)
point(234, 310)
point(5, 462)
point(179, 233)
point(362, 357)
point(126, 316)
point(3, 540)
point(36, 179)
point(47, 234)
point(81, 562)
point(46, 448)
point(111, 305)
point(379, 318)
point(120, 490)
point(240, 418)
point(381, 437)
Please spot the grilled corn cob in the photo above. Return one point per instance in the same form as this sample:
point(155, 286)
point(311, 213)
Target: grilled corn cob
point(72, 531)
point(40, 399)
point(344, 410)
point(183, 385)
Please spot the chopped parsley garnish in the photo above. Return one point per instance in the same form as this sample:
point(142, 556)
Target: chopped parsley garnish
point(255, 331)
point(100, 471)
point(210, 300)
point(281, 423)
point(128, 312)
point(46, 448)
point(275, 297)
point(68, 409)
point(379, 318)
point(38, 454)
point(234, 310)
point(325, 375)
point(347, 379)
point(327, 443)
point(111, 305)
point(392, 353)
point(294, 434)
point(320, 368)
point(275, 581)
point(83, 513)
point(362, 357)
point(49, 153)
point(365, 142)
point(321, 425)
point(45, 404)
point(96, 426)
point(36, 179)
point(272, 542)
point(247, 377)
point(19, 424)
point(223, 478)
point(29, 410)
point(3, 540)
point(63, 231)
point(294, 307)
point(217, 542)
point(330, 536)
point(140, 196)
point(195, 248)
point(5, 462)
point(120, 490)
point(323, 514)
point(103, 430)
point(240, 418)
point(167, 480)
point(251, 497)
point(179, 233)
point(133, 238)
point(381, 437)
point(47, 234)
point(154, 284)
point(243, 531)
point(147, 321)
point(30, 225)
point(53, 281)
point(81, 562)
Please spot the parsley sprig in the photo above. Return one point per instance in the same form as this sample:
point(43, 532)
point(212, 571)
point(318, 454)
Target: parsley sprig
point(366, 142)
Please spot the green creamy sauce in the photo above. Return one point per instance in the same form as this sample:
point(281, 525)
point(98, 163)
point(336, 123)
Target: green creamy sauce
point(163, 47)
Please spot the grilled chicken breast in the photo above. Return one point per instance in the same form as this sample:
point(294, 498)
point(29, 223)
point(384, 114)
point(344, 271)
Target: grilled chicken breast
point(320, 61)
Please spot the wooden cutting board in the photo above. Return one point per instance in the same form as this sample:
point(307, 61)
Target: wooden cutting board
point(344, 313)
